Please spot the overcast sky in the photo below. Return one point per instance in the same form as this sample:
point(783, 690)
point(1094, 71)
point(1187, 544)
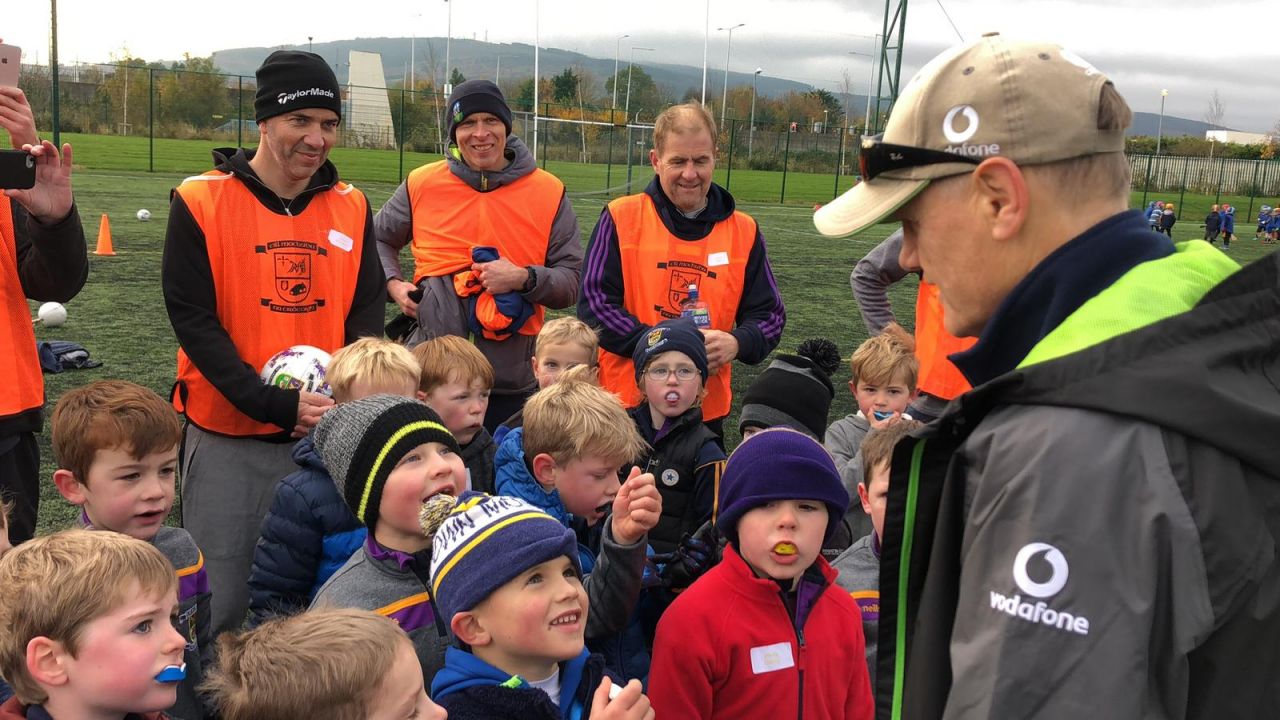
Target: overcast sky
point(1186, 47)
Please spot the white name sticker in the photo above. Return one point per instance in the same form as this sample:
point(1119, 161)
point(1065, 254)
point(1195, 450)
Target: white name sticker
point(717, 258)
point(340, 241)
point(770, 658)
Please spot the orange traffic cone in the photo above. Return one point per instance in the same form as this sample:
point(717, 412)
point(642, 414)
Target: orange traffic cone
point(104, 237)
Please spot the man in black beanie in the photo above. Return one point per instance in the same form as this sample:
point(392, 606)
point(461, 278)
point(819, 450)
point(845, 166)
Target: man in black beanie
point(487, 192)
point(266, 251)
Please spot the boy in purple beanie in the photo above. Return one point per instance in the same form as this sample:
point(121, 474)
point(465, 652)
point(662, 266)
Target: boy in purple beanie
point(767, 633)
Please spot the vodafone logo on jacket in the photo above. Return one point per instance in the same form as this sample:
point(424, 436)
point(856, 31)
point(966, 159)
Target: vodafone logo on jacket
point(1028, 574)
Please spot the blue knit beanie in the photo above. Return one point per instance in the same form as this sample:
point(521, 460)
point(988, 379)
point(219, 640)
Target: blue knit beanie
point(779, 464)
point(480, 542)
point(678, 334)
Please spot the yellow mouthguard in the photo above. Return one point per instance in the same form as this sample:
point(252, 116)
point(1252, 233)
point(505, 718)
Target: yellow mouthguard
point(785, 548)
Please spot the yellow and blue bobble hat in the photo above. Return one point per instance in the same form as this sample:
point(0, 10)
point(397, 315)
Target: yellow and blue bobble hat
point(361, 442)
point(479, 542)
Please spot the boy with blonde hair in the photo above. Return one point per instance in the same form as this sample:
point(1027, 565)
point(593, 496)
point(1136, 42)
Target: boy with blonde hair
point(509, 579)
point(85, 628)
point(858, 568)
point(330, 664)
point(563, 344)
point(309, 532)
point(116, 444)
point(456, 379)
point(766, 633)
point(567, 461)
point(885, 370)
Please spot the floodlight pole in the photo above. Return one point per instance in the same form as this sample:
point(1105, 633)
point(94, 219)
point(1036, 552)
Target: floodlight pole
point(631, 62)
point(751, 133)
point(724, 98)
point(537, 41)
point(53, 70)
point(617, 45)
point(448, 39)
point(1160, 126)
point(706, 38)
point(895, 22)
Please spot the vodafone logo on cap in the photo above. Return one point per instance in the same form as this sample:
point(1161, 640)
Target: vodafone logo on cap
point(949, 124)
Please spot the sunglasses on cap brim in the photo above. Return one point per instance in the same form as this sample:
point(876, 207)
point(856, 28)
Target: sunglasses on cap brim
point(879, 157)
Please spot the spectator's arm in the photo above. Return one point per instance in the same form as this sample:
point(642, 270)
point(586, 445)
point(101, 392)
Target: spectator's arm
point(600, 304)
point(53, 263)
point(871, 278)
point(393, 229)
point(559, 279)
point(186, 280)
point(761, 316)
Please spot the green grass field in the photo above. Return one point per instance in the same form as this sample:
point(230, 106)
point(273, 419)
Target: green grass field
point(120, 313)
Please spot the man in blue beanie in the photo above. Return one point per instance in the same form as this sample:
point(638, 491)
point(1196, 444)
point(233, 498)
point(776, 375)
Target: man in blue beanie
point(487, 193)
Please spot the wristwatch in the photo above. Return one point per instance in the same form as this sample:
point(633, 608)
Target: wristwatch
point(532, 281)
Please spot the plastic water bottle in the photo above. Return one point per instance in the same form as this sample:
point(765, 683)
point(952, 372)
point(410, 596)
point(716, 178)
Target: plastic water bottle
point(696, 309)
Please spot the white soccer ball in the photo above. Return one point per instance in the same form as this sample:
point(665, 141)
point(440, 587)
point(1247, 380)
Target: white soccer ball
point(144, 214)
point(301, 367)
point(52, 314)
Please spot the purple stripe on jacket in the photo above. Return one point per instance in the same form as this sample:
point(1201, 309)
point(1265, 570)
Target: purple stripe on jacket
point(614, 320)
point(193, 585)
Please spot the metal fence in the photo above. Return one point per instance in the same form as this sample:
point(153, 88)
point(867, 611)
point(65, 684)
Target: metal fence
point(596, 150)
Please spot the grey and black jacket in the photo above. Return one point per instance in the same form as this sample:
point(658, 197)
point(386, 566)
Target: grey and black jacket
point(1095, 533)
point(442, 312)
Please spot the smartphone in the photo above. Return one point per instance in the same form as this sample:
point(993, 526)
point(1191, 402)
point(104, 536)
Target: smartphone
point(17, 170)
point(10, 64)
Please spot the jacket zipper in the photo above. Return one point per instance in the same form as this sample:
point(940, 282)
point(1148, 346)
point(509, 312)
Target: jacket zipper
point(800, 667)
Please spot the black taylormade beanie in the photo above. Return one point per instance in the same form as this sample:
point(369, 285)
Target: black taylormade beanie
point(291, 80)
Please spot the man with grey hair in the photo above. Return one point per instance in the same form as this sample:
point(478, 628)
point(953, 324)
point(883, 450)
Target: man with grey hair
point(1092, 529)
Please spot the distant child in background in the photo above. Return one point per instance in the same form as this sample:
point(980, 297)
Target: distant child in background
point(86, 628)
point(858, 567)
point(456, 379)
point(1154, 215)
point(309, 532)
point(562, 344)
point(1228, 225)
point(1212, 226)
point(508, 578)
point(1167, 219)
point(1264, 218)
point(1273, 227)
point(116, 444)
point(671, 370)
point(885, 370)
point(320, 665)
point(567, 460)
point(388, 455)
point(766, 633)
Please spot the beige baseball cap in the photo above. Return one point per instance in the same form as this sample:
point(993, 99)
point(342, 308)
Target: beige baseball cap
point(1027, 101)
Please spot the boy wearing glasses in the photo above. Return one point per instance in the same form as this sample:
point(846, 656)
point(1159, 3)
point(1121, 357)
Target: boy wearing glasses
point(671, 372)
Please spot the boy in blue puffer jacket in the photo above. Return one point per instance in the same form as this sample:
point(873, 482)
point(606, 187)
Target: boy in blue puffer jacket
point(1228, 225)
point(310, 532)
point(565, 461)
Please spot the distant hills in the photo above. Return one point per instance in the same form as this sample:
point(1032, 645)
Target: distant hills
point(475, 58)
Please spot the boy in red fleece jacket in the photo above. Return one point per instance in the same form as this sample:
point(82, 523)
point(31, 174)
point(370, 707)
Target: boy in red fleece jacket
point(766, 633)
